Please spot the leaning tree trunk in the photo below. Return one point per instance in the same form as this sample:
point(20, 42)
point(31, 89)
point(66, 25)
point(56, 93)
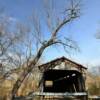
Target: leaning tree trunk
point(29, 68)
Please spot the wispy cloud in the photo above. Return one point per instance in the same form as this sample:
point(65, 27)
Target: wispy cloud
point(12, 19)
point(8, 18)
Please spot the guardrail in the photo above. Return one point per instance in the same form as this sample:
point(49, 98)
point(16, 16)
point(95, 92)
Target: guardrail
point(44, 95)
point(59, 94)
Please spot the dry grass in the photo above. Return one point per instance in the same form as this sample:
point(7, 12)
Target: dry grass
point(93, 84)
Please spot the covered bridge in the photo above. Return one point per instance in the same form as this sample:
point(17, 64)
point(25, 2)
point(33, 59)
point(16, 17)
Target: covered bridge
point(62, 76)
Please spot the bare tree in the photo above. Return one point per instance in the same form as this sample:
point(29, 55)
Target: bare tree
point(55, 23)
point(11, 41)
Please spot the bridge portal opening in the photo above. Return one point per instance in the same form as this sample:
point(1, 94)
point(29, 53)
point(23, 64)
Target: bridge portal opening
point(60, 81)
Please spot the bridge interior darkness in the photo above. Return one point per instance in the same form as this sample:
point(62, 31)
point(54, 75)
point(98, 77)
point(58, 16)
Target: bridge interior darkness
point(60, 81)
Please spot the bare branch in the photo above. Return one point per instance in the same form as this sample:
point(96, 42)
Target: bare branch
point(70, 14)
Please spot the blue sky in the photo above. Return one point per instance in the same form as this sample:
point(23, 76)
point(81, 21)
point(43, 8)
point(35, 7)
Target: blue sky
point(82, 30)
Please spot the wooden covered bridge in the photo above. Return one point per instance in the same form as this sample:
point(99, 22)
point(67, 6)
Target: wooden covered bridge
point(63, 78)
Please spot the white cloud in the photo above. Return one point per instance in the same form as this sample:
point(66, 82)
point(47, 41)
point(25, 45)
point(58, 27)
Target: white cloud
point(12, 19)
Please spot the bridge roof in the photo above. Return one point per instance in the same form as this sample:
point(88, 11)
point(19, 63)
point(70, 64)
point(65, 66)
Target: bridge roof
point(61, 59)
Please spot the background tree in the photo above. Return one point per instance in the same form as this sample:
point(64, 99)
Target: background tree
point(11, 39)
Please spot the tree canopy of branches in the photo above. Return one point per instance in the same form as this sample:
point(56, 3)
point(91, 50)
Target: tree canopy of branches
point(52, 18)
point(11, 40)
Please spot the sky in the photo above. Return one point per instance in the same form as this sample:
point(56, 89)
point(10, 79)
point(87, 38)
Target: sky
point(82, 30)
